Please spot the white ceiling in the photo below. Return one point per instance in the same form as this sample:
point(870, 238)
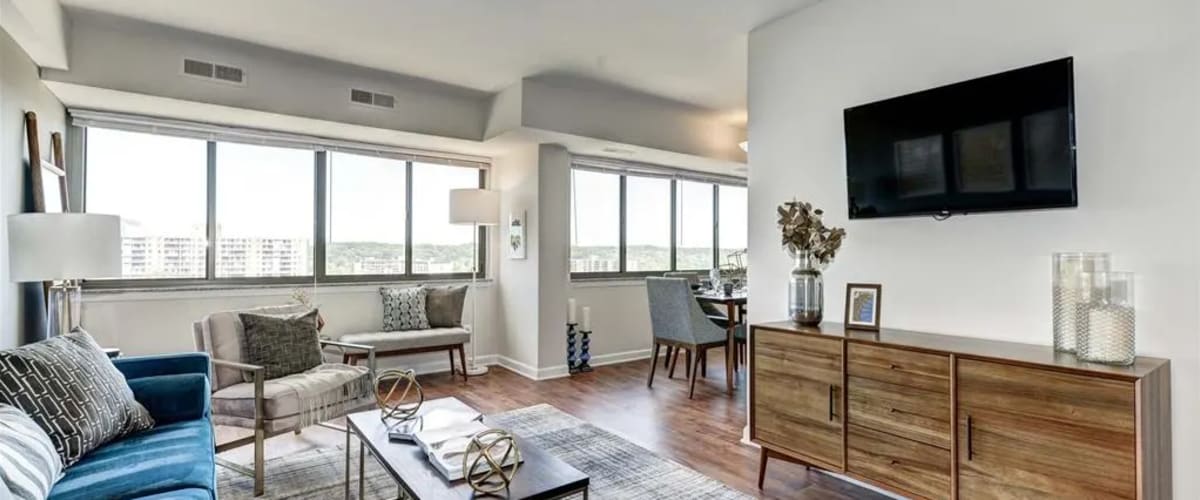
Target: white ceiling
point(689, 50)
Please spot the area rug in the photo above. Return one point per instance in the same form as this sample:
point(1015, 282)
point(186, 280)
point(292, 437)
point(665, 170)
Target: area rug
point(618, 468)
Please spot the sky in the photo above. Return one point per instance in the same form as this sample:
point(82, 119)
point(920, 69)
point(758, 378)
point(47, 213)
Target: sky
point(160, 183)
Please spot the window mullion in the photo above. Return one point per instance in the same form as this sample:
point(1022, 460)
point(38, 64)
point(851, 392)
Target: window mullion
point(408, 218)
point(674, 225)
point(320, 212)
point(622, 223)
point(716, 236)
point(210, 257)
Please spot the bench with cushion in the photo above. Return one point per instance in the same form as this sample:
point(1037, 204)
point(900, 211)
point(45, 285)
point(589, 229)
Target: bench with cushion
point(442, 329)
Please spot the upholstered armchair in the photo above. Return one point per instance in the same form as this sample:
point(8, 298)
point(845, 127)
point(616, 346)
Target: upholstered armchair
point(678, 322)
point(243, 397)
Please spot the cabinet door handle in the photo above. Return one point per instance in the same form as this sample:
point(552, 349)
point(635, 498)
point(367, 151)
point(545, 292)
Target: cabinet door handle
point(970, 450)
point(830, 403)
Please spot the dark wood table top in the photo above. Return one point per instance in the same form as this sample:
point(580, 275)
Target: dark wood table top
point(540, 476)
point(1030, 354)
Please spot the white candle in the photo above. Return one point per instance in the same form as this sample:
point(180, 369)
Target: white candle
point(571, 311)
point(587, 319)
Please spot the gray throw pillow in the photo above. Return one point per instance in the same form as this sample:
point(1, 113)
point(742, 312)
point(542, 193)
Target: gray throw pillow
point(72, 390)
point(404, 308)
point(283, 345)
point(444, 305)
point(31, 464)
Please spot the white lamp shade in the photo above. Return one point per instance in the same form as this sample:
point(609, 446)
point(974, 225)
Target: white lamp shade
point(62, 246)
point(474, 206)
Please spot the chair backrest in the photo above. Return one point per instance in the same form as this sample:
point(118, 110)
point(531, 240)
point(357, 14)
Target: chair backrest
point(693, 278)
point(220, 335)
point(675, 314)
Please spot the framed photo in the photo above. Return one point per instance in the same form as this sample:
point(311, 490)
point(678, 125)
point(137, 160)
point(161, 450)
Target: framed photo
point(516, 235)
point(863, 302)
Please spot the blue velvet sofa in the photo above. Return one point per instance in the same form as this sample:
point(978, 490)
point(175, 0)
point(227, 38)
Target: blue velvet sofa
point(175, 459)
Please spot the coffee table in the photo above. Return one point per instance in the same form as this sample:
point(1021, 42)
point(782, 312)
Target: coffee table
point(540, 477)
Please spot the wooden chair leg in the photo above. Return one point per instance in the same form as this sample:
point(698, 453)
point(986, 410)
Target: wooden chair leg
point(704, 363)
point(687, 359)
point(667, 360)
point(653, 364)
point(693, 365)
point(674, 360)
point(762, 466)
point(450, 351)
point(462, 361)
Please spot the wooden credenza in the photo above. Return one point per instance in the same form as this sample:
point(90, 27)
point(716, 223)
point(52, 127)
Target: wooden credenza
point(943, 417)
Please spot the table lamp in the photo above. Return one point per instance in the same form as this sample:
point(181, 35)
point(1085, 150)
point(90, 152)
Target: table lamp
point(478, 207)
point(64, 248)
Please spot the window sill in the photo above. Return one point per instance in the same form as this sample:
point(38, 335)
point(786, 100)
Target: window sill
point(607, 282)
point(225, 290)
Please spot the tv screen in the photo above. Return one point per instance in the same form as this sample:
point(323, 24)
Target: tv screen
point(1001, 142)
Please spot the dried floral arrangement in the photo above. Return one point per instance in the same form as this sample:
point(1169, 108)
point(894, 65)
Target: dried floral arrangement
point(805, 233)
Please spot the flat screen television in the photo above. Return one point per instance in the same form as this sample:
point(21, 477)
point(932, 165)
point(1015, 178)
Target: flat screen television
point(1000, 142)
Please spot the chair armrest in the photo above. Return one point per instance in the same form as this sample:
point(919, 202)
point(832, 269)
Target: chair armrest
point(239, 366)
point(173, 398)
point(260, 373)
point(359, 347)
point(135, 367)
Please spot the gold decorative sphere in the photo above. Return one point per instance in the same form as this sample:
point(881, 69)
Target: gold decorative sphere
point(388, 384)
point(484, 463)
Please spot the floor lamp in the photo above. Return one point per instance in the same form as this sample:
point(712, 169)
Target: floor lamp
point(63, 248)
point(477, 207)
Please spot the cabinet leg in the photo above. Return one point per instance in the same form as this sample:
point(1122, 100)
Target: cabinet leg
point(762, 466)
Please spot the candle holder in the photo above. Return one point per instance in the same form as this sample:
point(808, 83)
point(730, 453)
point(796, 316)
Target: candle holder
point(584, 355)
point(1107, 321)
point(571, 348)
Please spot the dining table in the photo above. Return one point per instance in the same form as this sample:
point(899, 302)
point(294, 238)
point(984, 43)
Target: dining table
point(733, 304)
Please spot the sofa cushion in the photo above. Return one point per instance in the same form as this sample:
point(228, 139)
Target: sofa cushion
point(444, 305)
point(172, 398)
point(404, 308)
point(280, 395)
point(282, 345)
point(31, 466)
point(181, 494)
point(72, 390)
point(220, 335)
point(167, 458)
point(416, 339)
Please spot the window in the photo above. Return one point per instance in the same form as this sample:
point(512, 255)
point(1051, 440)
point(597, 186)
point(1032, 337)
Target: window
point(157, 185)
point(595, 222)
point(626, 223)
point(367, 215)
point(694, 226)
point(732, 234)
point(274, 214)
point(439, 246)
point(647, 224)
point(264, 211)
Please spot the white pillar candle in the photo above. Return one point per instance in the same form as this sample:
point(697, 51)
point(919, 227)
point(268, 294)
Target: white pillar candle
point(587, 319)
point(571, 311)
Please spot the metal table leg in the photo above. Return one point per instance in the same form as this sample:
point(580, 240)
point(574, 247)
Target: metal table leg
point(362, 471)
point(347, 462)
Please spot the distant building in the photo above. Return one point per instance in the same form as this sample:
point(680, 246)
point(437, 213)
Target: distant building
point(594, 264)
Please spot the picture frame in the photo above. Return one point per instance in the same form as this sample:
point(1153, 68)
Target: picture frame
point(864, 301)
point(517, 241)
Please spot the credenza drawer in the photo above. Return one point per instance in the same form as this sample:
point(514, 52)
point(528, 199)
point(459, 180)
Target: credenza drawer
point(899, 366)
point(911, 467)
point(1064, 397)
point(908, 412)
point(804, 356)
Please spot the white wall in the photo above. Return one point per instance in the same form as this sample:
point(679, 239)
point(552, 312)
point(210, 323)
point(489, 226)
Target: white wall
point(516, 177)
point(554, 253)
point(20, 91)
point(620, 319)
point(1138, 120)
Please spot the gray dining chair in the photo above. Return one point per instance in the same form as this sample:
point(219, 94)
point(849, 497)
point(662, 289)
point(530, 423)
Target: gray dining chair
point(678, 322)
point(713, 311)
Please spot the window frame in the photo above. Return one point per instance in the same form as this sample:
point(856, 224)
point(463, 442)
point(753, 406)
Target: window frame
point(321, 166)
point(622, 273)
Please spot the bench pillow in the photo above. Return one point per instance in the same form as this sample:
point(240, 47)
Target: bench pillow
point(444, 305)
point(404, 309)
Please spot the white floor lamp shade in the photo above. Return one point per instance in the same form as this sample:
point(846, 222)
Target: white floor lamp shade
point(477, 207)
point(66, 248)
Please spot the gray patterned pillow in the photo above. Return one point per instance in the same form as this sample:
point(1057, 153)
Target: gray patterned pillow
point(35, 466)
point(72, 390)
point(444, 305)
point(282, 344)
point(404, 308)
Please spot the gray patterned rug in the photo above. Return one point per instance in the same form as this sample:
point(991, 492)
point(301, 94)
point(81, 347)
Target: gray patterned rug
point(618, 468)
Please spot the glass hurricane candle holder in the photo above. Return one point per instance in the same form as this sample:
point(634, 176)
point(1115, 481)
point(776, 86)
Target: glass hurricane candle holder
point(1107, 322)
point(1069, 291)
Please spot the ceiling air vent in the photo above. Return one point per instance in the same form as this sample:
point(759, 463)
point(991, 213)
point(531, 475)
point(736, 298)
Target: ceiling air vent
point(373, 99)
point(212, 71)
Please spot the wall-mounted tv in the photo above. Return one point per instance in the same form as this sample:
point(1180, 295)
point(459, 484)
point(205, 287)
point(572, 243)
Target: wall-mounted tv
point(1000, 142)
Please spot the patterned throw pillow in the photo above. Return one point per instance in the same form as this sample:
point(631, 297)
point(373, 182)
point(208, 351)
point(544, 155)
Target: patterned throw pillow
point(282, 344)
point(31, 466)
point(444, 305)
point(72, 390)
point(404, 308)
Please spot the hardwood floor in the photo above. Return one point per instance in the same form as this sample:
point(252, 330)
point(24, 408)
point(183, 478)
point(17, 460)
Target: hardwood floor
point(703, 433)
